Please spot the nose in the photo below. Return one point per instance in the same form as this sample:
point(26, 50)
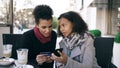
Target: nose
point(61, 29)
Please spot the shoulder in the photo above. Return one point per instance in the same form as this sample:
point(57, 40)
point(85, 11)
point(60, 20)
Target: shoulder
point(28, 33)
point(54, 34)
point(89, 40)
point(89, 35)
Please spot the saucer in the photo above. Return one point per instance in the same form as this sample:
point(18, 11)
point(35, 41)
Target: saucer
point(6, 61)
point(25, 66)
point(28, 66)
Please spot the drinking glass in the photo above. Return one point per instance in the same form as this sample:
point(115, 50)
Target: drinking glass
point(22, 56)
point(7, 48)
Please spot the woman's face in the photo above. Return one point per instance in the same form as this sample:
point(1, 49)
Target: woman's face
point(45, 27)
point(65, 27)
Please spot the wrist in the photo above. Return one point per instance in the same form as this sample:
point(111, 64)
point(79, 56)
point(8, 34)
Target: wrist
point(65, 62)
point(49, 61)
point(60, 66)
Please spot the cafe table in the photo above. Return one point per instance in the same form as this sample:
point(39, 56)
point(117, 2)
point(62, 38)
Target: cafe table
point(31, 62)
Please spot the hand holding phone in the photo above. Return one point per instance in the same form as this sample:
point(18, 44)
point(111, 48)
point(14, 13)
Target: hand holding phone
point(56, 52)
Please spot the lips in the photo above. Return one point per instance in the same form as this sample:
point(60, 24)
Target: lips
point(46, 34)
point(64, 33)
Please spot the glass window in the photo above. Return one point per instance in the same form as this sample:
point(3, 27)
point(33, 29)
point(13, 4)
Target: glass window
point(115, 19)
point(23, 19)
point(22, 10)
point(4, 11)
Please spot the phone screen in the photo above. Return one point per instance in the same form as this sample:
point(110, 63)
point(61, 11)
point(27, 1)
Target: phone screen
point(56, 52)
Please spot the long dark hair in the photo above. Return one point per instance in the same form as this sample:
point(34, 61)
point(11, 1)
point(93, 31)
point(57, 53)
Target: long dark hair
point(79, 26)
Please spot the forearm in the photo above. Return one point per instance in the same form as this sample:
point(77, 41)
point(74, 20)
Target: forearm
point(74, 64)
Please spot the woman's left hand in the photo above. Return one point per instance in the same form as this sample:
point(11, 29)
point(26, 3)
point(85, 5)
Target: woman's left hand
point(62, 59)
point(49, 60)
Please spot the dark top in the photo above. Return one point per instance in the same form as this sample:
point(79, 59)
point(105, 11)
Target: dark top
point(30, 42)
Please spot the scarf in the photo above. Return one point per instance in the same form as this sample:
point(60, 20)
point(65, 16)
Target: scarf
point(40, 37)
point(74, 40)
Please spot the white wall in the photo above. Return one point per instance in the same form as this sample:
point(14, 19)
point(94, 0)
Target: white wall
point(4, 29)
point(89, 16)
point(102, 20)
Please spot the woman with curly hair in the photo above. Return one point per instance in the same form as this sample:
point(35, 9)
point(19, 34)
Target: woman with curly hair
point(41, 38)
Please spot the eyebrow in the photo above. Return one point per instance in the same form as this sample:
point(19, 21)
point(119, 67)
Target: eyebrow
point(46, 26)
point(50, 26)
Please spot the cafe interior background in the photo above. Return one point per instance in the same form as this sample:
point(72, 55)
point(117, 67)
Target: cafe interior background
point(16, 15)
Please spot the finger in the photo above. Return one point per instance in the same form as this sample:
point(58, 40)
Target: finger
point(40, 63)
point(38, 59)
point(39, 56)
point(41, 60)
point(49, 60)
point(60, 53)
point(53, 56)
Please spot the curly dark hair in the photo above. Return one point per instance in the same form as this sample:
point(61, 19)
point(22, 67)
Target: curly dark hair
point(79, 26)
point(42, 12)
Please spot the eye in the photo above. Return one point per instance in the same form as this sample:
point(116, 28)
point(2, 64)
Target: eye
point(50, 26)
point(43, 27)
point(63, 25)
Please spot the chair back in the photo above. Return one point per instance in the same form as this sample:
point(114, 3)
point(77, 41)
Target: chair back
point(104, 50)
point(13, 39)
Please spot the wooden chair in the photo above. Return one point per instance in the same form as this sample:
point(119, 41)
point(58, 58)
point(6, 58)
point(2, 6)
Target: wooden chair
point(104, 51)
point(13, 39)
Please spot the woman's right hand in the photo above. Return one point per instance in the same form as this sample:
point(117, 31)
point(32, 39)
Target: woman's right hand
point(41, 59)
point(62, 59)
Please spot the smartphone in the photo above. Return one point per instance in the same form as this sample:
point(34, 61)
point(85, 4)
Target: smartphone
point(56, 52)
